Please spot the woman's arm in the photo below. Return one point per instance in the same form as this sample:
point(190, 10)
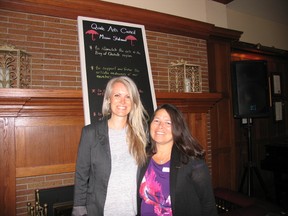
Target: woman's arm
point(203, 186)
point(82, 173)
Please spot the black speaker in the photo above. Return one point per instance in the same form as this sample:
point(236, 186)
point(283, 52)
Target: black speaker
point(250, 89)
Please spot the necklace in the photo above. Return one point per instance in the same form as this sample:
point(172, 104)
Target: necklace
point(161, 159)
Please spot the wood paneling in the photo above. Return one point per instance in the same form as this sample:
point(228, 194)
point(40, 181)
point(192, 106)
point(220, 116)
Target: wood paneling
point(45, 170)
point(7, 167)
point(46, 141)
point(195, 107)
point(222, 123)
point(197, 122)
point(189, 102)
point(40, 131)
point(47, 126)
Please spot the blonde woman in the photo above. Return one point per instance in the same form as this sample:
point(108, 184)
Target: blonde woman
point(110, 152)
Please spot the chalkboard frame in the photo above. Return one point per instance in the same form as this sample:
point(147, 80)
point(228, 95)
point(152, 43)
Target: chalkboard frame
point(85, 90)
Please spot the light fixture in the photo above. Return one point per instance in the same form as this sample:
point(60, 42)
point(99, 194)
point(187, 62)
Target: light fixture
point(184, 77)
point(15, 67)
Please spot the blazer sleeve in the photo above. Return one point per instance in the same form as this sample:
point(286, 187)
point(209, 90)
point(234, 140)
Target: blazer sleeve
point(203, 186)
point(83, 166)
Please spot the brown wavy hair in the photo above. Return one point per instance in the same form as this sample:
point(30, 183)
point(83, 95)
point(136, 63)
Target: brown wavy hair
point(188, 145)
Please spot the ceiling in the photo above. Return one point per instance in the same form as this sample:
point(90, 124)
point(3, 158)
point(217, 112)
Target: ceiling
point(273, 10)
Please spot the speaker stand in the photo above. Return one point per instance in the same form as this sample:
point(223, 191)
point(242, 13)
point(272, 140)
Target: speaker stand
point(251, 167)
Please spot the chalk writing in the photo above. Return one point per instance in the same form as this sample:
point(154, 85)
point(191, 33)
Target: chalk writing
point(114, 52)
point(112, 49)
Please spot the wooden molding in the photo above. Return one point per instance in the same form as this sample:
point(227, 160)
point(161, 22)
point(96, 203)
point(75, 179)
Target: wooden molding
point(153, 21)
point(189, 102)
point(44, 170)
point(40, 102)
point(47, 102)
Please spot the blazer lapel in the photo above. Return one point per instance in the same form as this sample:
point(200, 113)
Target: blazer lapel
point(174, 167)
point(141, 171)
point(102, 136)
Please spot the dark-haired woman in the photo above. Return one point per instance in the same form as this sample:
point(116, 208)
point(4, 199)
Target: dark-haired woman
point(175, 180)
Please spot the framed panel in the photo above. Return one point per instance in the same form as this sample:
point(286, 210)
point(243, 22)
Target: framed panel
point(276, 84)
point(278, 110)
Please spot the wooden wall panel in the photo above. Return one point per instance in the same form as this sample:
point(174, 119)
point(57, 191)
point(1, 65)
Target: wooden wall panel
point(7, 167)
point(222, 122)
point(195, 108)
point(45, 141)
point(47, 129)
point(197, 123)
point(222, 169)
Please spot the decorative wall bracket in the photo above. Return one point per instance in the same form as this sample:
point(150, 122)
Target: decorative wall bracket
point(15, 67)
point(184, 77)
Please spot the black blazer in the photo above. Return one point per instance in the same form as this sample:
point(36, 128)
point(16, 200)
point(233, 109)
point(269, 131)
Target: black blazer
point(93, 169)
point(191, 188)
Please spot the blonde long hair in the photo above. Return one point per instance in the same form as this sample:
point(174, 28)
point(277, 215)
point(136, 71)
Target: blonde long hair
point(137, 119)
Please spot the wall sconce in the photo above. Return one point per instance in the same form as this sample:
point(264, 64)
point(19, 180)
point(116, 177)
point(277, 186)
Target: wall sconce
point(184, 77)
point(15, 67)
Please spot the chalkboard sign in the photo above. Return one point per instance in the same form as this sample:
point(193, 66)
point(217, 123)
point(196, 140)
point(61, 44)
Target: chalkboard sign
point(108, 49)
